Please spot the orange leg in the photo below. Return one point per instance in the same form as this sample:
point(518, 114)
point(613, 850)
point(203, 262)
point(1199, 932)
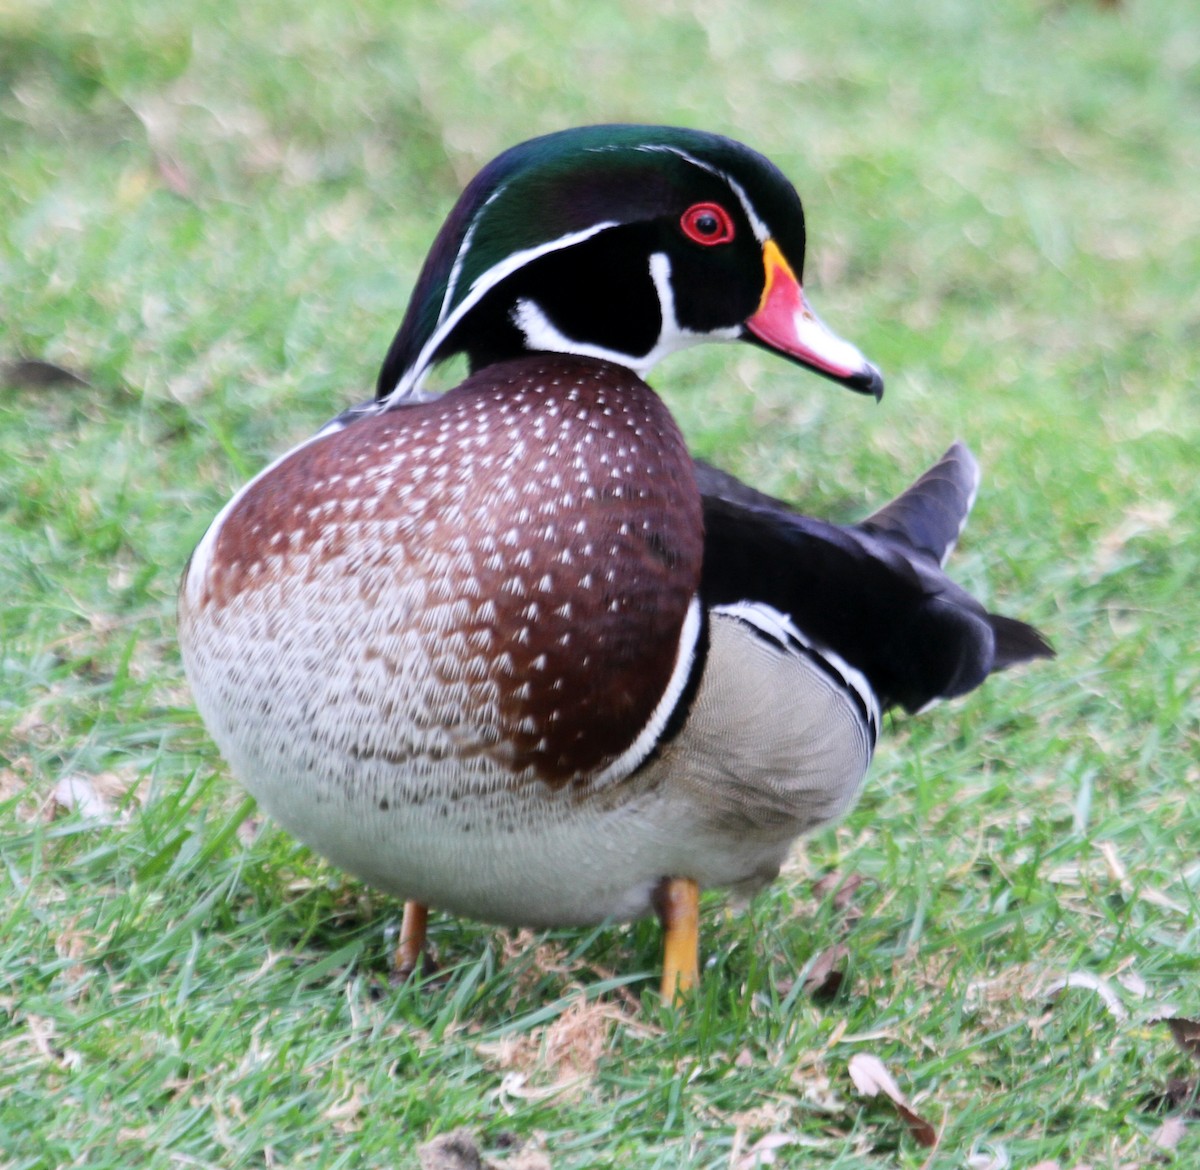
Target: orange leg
point(412, 938)
point(677, 901)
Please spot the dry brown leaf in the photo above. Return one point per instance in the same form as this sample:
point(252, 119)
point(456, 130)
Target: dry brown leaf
point(767, 1117)
point(451, 1151)
point(77, 944)
point(824, 976)
point(841, 887)
point(1134, 984)
point(42, 1035)
point(763, 1152)
point(1170, 1133)
point(1151, 516)
point(1177, 1093)
point(93, 797)
point(80, 794)
point(527, 1158)
point(871, 1077)
point(576, 1041)
point(1076, 875)
point(1185, 1032)
point(344, 1115)
point(35, 374)
point(922, 1132)
point(173, 175)
point(16, 781)
point(1115, 866)
point(563, 1056)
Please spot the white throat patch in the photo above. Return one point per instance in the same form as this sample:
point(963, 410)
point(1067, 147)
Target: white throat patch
point(541, 334)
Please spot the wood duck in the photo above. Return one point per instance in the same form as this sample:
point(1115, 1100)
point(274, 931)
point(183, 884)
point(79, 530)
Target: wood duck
point(507, 651)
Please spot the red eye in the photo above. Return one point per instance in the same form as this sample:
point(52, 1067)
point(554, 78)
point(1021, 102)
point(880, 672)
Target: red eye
point(707, 223)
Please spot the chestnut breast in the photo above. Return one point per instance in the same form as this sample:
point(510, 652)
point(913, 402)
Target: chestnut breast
point(536, 533)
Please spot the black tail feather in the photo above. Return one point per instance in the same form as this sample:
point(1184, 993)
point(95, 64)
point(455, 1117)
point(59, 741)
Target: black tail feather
point(874, 593)
point(1016, 642)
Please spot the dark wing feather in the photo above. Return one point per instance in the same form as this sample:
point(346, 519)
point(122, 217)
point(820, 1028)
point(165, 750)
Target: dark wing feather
point(931, 513)
point(873, 593)
point(720, 485)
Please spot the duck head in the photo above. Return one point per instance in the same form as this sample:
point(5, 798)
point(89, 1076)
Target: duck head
point(619, 242)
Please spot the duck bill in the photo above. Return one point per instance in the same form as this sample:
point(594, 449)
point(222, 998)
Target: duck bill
point(784, 323)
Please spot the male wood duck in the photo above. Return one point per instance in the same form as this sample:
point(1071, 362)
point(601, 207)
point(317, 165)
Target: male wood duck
point(507, 651)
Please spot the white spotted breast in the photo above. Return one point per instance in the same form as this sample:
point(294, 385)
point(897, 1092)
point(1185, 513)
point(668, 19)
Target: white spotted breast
point(492, 584)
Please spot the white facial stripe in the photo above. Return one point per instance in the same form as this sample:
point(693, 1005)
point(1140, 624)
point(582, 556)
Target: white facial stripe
point(456, 270)
point(660, 273)
point(541, 333)
point(641, 747)
point(412, 378)
point(464, 248)
point(673, 336)
point(761, 232)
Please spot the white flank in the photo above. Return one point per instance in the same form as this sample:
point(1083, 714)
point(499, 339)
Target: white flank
point(780, 627)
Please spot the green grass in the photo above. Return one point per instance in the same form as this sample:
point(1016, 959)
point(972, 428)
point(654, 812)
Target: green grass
point(214, 214)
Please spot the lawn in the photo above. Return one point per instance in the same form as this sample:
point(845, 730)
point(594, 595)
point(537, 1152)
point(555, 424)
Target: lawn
point(210, 219)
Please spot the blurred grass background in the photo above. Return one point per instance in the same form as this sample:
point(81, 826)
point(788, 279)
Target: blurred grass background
point(211, 215)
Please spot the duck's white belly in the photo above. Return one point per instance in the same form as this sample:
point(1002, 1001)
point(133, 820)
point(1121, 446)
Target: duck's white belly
point(360, 767)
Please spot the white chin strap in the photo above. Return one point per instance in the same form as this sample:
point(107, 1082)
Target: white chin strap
point(541, 334)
